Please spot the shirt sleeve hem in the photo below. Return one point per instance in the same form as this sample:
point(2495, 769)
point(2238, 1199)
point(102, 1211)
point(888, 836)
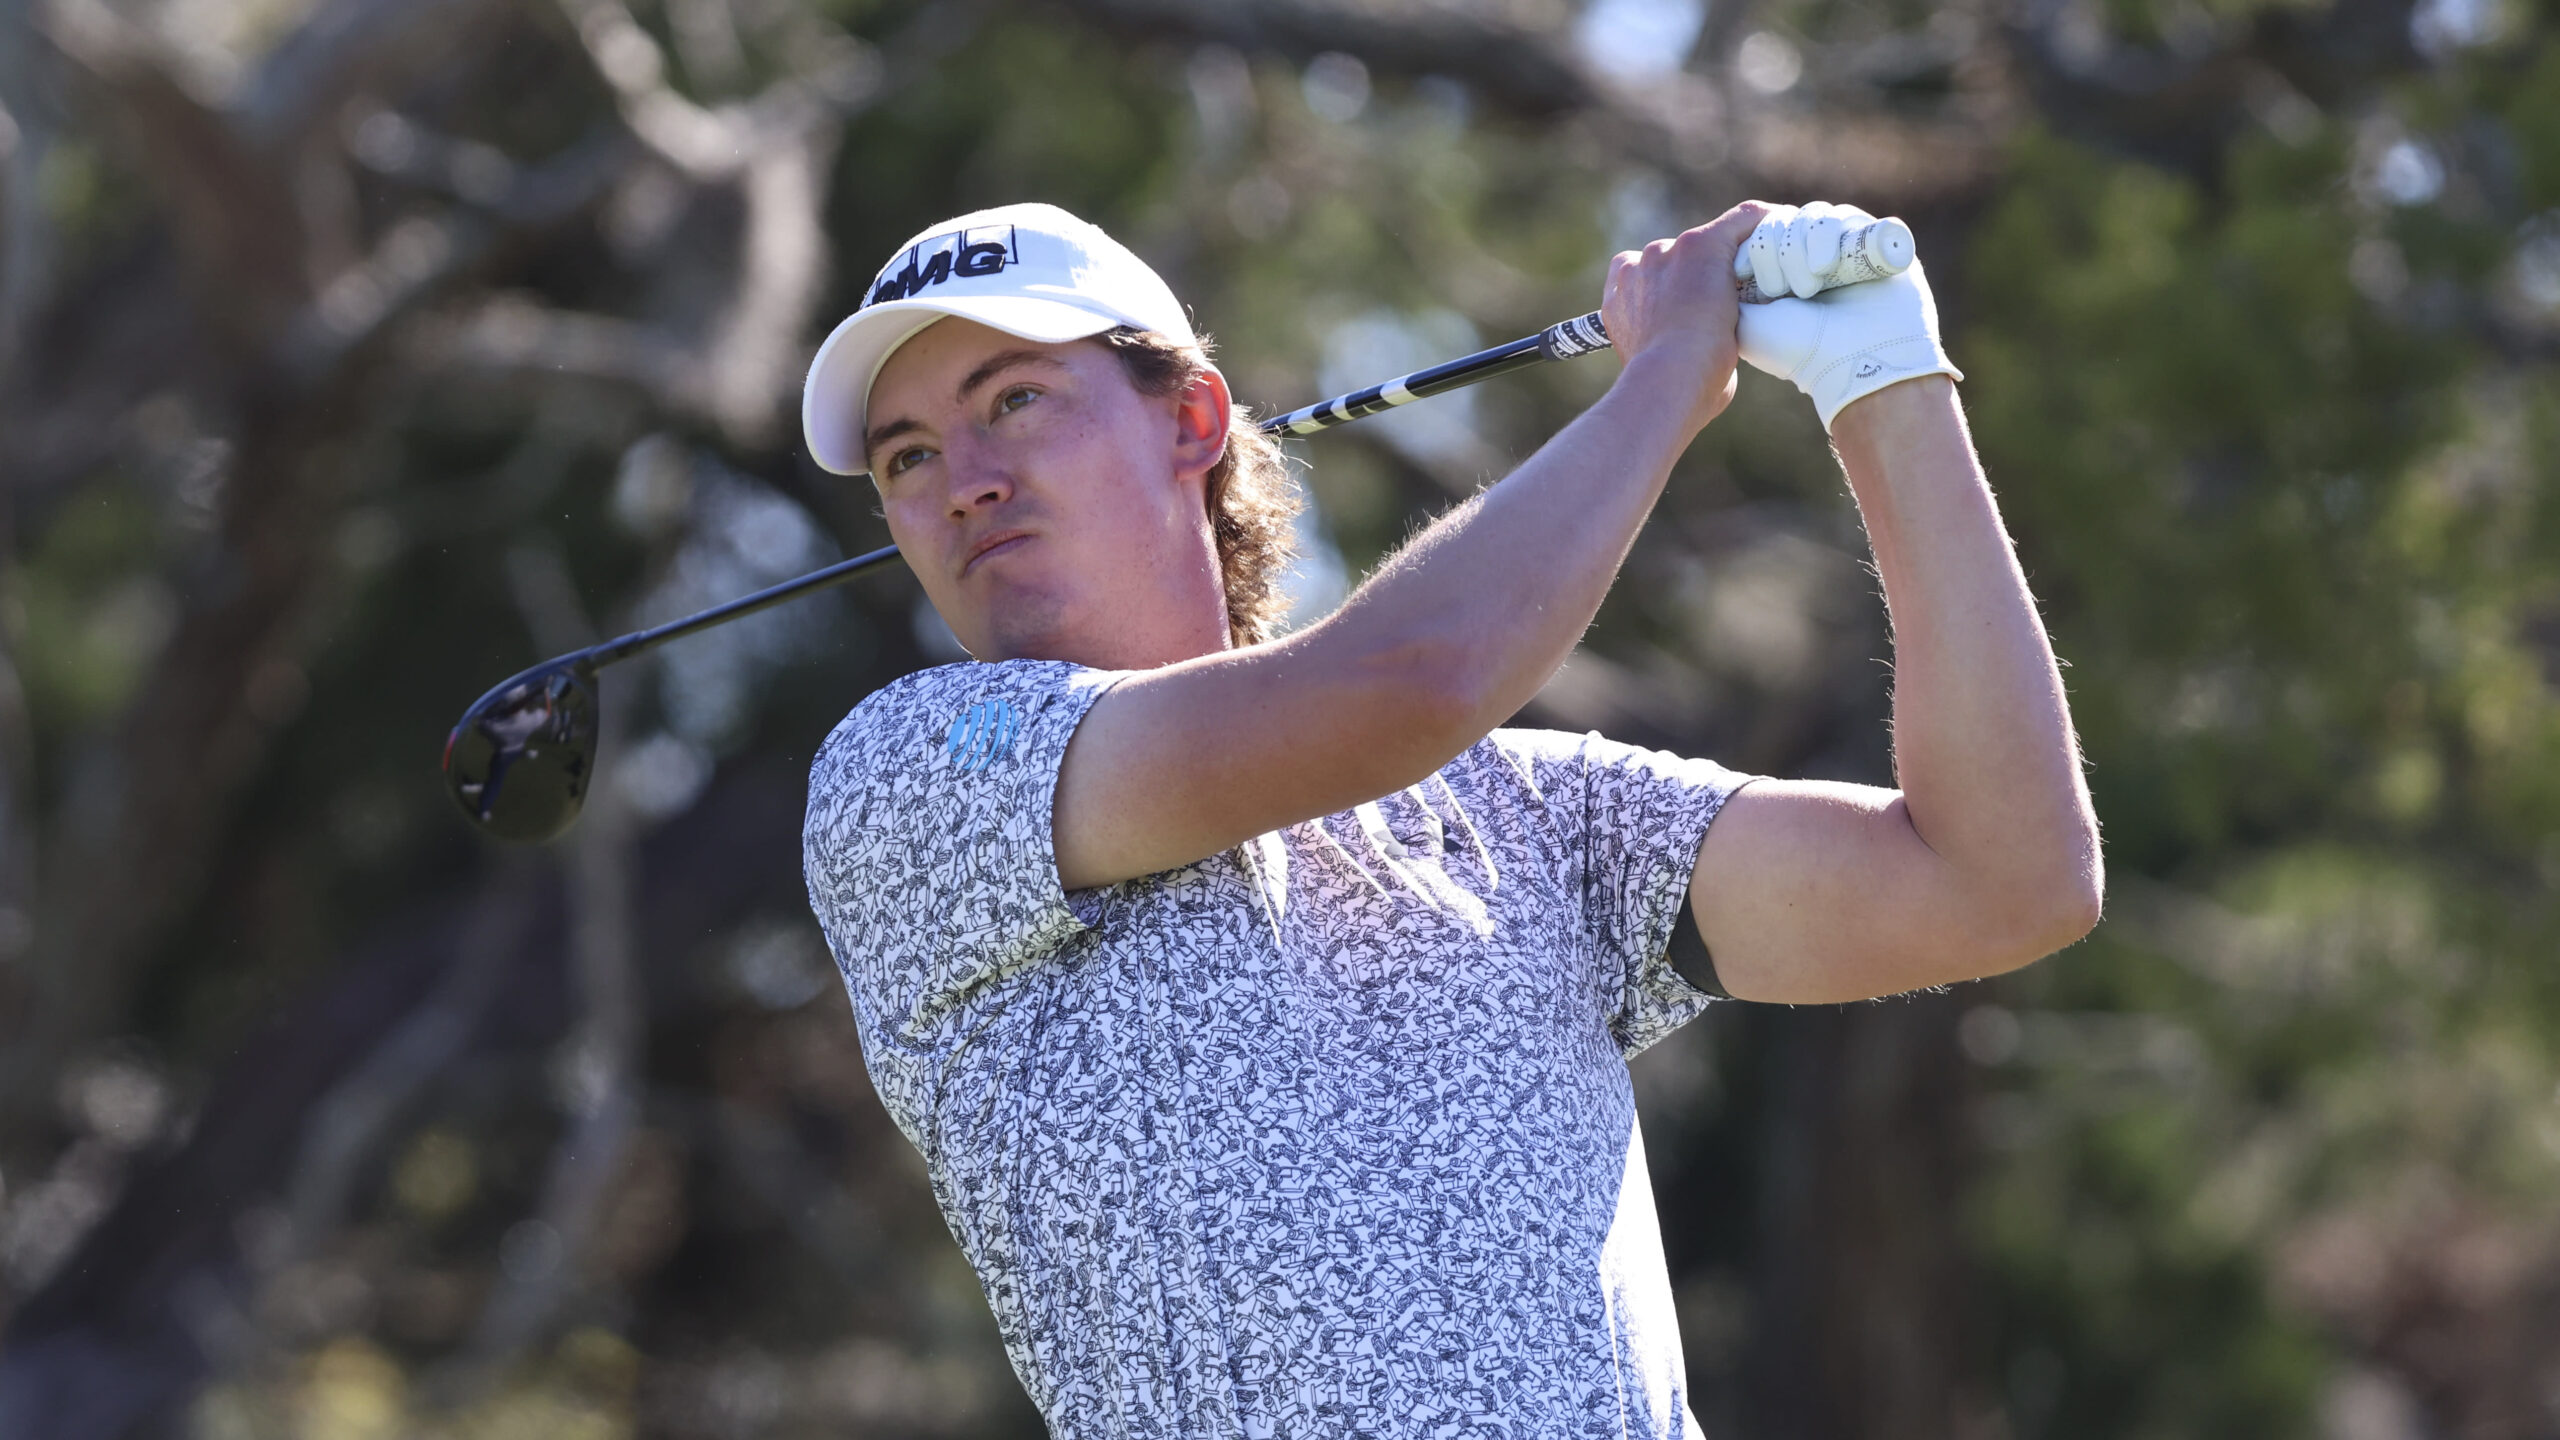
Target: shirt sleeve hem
point(1654, 969)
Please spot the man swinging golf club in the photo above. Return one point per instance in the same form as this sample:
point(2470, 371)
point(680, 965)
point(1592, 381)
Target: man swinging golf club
point(1261, 1010)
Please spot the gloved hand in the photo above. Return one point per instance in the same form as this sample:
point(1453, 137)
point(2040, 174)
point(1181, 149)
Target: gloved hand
point(1841, 344)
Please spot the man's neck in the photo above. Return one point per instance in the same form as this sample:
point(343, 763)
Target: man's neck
point(1122, 651)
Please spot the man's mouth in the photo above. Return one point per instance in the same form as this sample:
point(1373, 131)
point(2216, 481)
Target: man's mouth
point(995, 544)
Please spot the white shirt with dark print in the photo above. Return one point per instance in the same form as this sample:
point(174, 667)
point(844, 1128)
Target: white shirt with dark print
point(1328, 1135)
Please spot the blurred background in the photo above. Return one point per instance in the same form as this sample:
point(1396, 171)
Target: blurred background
point(357, 353)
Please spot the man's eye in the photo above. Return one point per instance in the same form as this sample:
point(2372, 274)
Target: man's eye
point(908, 458)
point(1015, 397)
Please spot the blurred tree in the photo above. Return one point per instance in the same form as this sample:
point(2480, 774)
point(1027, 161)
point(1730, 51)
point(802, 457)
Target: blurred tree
point(355, 353)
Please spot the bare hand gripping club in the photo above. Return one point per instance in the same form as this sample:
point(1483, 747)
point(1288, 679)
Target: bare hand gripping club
point(520, 759)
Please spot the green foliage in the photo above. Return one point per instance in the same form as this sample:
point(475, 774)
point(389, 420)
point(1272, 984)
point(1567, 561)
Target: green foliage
point(2293, 524)
point(2278, 450)
point(91, 610)
point(2211, 443)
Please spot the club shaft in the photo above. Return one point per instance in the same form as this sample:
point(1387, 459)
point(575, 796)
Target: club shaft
point(641, 642)
point(1557, 342)
point(1870, 252)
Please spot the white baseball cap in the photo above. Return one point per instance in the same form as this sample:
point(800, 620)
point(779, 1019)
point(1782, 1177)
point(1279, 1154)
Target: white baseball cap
point(1029, 270)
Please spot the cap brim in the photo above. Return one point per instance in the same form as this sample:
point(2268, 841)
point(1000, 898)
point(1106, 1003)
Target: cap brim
point(833, 404)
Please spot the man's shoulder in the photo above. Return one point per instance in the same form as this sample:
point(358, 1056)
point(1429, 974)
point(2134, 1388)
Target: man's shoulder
point(929, 747)
point(1585, 749)
point(1545, 762)
point(1514, 767)
point(1524, 754)
point(942, 707)
point(1515, 743)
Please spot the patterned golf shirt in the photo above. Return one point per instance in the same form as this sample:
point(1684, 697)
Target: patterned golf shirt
point(1328, 1135)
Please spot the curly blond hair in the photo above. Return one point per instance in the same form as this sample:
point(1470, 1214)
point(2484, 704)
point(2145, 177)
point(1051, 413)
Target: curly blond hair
point(1252, 501)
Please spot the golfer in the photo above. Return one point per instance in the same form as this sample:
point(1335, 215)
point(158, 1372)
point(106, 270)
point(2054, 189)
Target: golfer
point(1260, 1009)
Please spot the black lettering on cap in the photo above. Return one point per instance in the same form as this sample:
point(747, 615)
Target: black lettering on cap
point(964, 254)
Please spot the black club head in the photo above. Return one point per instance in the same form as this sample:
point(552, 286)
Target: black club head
point(521, 758)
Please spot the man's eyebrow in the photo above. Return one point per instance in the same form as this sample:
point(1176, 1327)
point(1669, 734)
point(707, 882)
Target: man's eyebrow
point(883, 434)
point(1003, 360)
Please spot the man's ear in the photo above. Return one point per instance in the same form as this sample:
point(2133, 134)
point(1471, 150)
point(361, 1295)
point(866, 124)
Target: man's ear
point(1201, 415)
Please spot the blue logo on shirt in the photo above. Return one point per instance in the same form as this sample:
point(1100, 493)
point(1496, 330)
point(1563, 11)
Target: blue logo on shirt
point(982, 735)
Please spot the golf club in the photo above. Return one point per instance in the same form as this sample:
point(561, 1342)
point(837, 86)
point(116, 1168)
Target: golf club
point(519, 761)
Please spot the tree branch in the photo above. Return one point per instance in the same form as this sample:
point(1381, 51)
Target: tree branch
point(827, 81)
point(348, 48)
point(347, 1125)
point(1716, 144)
point(1517, 56)
point(234, 217)
point(596, 1068)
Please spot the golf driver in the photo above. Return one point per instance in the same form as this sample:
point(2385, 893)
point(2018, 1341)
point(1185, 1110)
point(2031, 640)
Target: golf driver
point(521, 758)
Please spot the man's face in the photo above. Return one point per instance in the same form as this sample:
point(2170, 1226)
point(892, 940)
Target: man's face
point(1051, 510)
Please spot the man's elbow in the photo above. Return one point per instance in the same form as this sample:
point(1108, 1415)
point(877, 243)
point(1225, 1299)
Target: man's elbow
point(2080, 889)
point(2050, 911)
point(2074, 908)
point(1434, 693)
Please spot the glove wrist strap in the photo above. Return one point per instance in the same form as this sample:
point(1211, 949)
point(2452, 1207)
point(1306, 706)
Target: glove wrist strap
point(1864, 371)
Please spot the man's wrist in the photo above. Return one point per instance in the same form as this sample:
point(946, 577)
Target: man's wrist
point(1661, 381)
point(1864, 424)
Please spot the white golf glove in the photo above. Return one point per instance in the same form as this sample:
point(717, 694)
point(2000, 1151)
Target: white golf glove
point(1841, 344)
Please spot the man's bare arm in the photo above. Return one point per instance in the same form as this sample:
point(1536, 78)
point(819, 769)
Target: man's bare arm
point(1987, 858)
point(1444, 643)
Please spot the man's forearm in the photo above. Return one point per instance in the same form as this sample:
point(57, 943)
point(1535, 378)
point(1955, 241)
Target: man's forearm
point(1983, 746)
point(1493, 596)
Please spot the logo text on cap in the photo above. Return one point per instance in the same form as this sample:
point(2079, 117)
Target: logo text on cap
point(969, 254)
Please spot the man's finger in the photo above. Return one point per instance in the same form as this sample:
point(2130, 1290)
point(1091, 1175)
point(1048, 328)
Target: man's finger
point(1733, 227)
point(1617, 277)
point(1823, 228)
point(1801, 277)
point(1766, 244)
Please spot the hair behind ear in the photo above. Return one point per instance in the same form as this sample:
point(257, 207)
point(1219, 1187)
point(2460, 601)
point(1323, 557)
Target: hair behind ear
point(1252, 501)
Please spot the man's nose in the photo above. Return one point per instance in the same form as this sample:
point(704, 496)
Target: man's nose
point(978, 474)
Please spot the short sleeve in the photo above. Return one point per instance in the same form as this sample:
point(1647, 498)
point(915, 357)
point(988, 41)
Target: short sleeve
point(929, 855)
point(1636, 818)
